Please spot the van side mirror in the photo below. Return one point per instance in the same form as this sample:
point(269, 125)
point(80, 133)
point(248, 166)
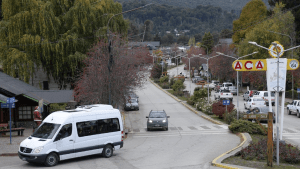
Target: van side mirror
point(168, 116)
point(147, 117)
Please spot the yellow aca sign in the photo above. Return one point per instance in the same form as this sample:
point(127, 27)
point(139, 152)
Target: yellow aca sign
point(260, 65)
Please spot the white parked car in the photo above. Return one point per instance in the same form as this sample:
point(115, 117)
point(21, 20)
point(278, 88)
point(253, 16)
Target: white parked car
point(226, 95)
point(294, 107)
point(225, 86)
point(254, 102)
point(264, 95)
point(210, 85)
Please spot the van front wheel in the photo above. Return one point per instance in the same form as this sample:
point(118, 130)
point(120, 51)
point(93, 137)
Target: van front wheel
point(51, 160)
point(107, 151)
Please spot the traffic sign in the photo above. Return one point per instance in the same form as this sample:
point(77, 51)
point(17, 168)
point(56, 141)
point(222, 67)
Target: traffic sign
point(298, 90)
point(10, 100)
point(7, 105)
point(226, 102)
point(292, 64)
point(273, 51)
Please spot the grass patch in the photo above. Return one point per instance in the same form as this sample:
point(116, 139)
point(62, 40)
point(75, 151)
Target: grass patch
point(179, 97)
point(217, 118)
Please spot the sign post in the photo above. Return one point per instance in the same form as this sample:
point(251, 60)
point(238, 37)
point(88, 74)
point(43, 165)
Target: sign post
point(298, 91)
point(226, 102)
point(9, 104)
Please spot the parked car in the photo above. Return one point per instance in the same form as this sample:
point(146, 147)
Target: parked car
point(195, 79)
point(264, 95)
point(254, 102)
point(185, 67)
point(294, 107)
point(218, 86)
point(233, 90)
point(157, 120)
point(215, 82)
point(248, 94)
point(225, 85)
point(132, 104)
point(217, 94)
point(210, 85)
point(263, 110)
point(225, 94)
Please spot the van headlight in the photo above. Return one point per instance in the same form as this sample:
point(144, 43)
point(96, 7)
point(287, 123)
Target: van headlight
point(38, 149)
point(150, 121)
point(164, 120)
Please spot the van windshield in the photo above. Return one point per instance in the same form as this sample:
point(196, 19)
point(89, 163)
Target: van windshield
point(46, 130)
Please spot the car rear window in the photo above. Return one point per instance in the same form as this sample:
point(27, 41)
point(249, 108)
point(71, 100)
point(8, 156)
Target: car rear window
point(225, 91)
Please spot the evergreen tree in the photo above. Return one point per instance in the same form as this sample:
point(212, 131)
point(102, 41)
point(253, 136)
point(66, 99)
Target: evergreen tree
point(208, 41)
point(53, 35)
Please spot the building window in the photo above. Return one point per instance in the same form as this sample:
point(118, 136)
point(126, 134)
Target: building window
point(26, 112)
point(45, 85)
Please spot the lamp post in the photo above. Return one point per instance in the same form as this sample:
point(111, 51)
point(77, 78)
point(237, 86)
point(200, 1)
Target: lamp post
point(207, 72)
point(110, 61)
point(292, 58)
point(190, 70)
point(277, 94)
point(237, 76)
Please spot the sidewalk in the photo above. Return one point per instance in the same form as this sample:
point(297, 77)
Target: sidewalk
point(7, 149)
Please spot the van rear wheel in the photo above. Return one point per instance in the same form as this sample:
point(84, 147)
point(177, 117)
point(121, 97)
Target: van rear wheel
point(107, 151)
point(51, 160)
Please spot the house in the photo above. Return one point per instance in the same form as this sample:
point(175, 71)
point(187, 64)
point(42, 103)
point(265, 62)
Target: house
point(227, 41)
point(27, 97)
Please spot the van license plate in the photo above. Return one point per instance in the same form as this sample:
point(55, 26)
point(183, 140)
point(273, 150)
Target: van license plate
point(157, 125)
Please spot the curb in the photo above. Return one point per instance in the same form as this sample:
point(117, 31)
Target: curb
point(217, 161)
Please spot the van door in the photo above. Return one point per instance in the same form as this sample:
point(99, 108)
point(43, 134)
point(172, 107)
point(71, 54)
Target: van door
point(65, 142)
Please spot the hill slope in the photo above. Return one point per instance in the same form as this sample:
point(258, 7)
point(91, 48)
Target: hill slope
point(227, 5)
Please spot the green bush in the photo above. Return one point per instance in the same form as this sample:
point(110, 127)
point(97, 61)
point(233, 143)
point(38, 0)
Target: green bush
point(242, 126)
point(164, 79)
point(57, 107)
point(190, 101)
point(178, 85)
point(164, 85)
point(172, 81)
point(229, 117)
point(178, 93)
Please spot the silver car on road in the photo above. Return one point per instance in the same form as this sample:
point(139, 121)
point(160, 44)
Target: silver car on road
point(157, 120)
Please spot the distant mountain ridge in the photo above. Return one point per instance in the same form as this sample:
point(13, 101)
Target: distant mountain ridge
point(228, 5)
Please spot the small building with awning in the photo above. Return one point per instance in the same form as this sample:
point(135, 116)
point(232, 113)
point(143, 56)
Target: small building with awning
point(27, 98)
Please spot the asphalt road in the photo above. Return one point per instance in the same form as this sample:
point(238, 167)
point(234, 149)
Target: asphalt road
point(191, 141)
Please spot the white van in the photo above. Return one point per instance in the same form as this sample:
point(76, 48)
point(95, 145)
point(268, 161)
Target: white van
point(264, 95)
point(86, 130)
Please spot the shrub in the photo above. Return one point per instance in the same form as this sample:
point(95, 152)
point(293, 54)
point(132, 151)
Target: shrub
point(258, 151)
point(241, 126)
point(164, 85)
point(190, 101)
point(178, 85)
point(57, 107)
point(229, 117)
point(172, 81)
point(178, 93)
point(164, 79)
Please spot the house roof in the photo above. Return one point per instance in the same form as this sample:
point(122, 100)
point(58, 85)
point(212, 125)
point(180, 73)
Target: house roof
point(153, 43)
point(226, 40)
point(18, 87)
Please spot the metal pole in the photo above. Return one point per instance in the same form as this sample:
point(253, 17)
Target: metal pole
point(207, 83)
point(190, 76)
point(237, 95)
point(9, 104)
point(277, 105)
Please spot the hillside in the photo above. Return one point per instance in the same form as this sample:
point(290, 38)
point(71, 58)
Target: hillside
point(168, 18)
point(227, 5)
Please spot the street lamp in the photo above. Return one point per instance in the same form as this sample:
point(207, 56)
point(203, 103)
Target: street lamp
point(110, 61)
point(190, 70)
point(237, 77)
point(292, 58)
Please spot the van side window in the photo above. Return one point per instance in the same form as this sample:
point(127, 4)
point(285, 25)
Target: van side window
point(65, 131)
point(108, 125)
point(86, 128)
point(266, 94)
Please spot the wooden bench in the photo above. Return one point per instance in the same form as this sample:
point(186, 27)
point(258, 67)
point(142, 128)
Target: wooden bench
point(19, 130)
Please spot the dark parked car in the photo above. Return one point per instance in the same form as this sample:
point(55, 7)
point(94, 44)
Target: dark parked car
point(157, 120)
point(132, 104)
